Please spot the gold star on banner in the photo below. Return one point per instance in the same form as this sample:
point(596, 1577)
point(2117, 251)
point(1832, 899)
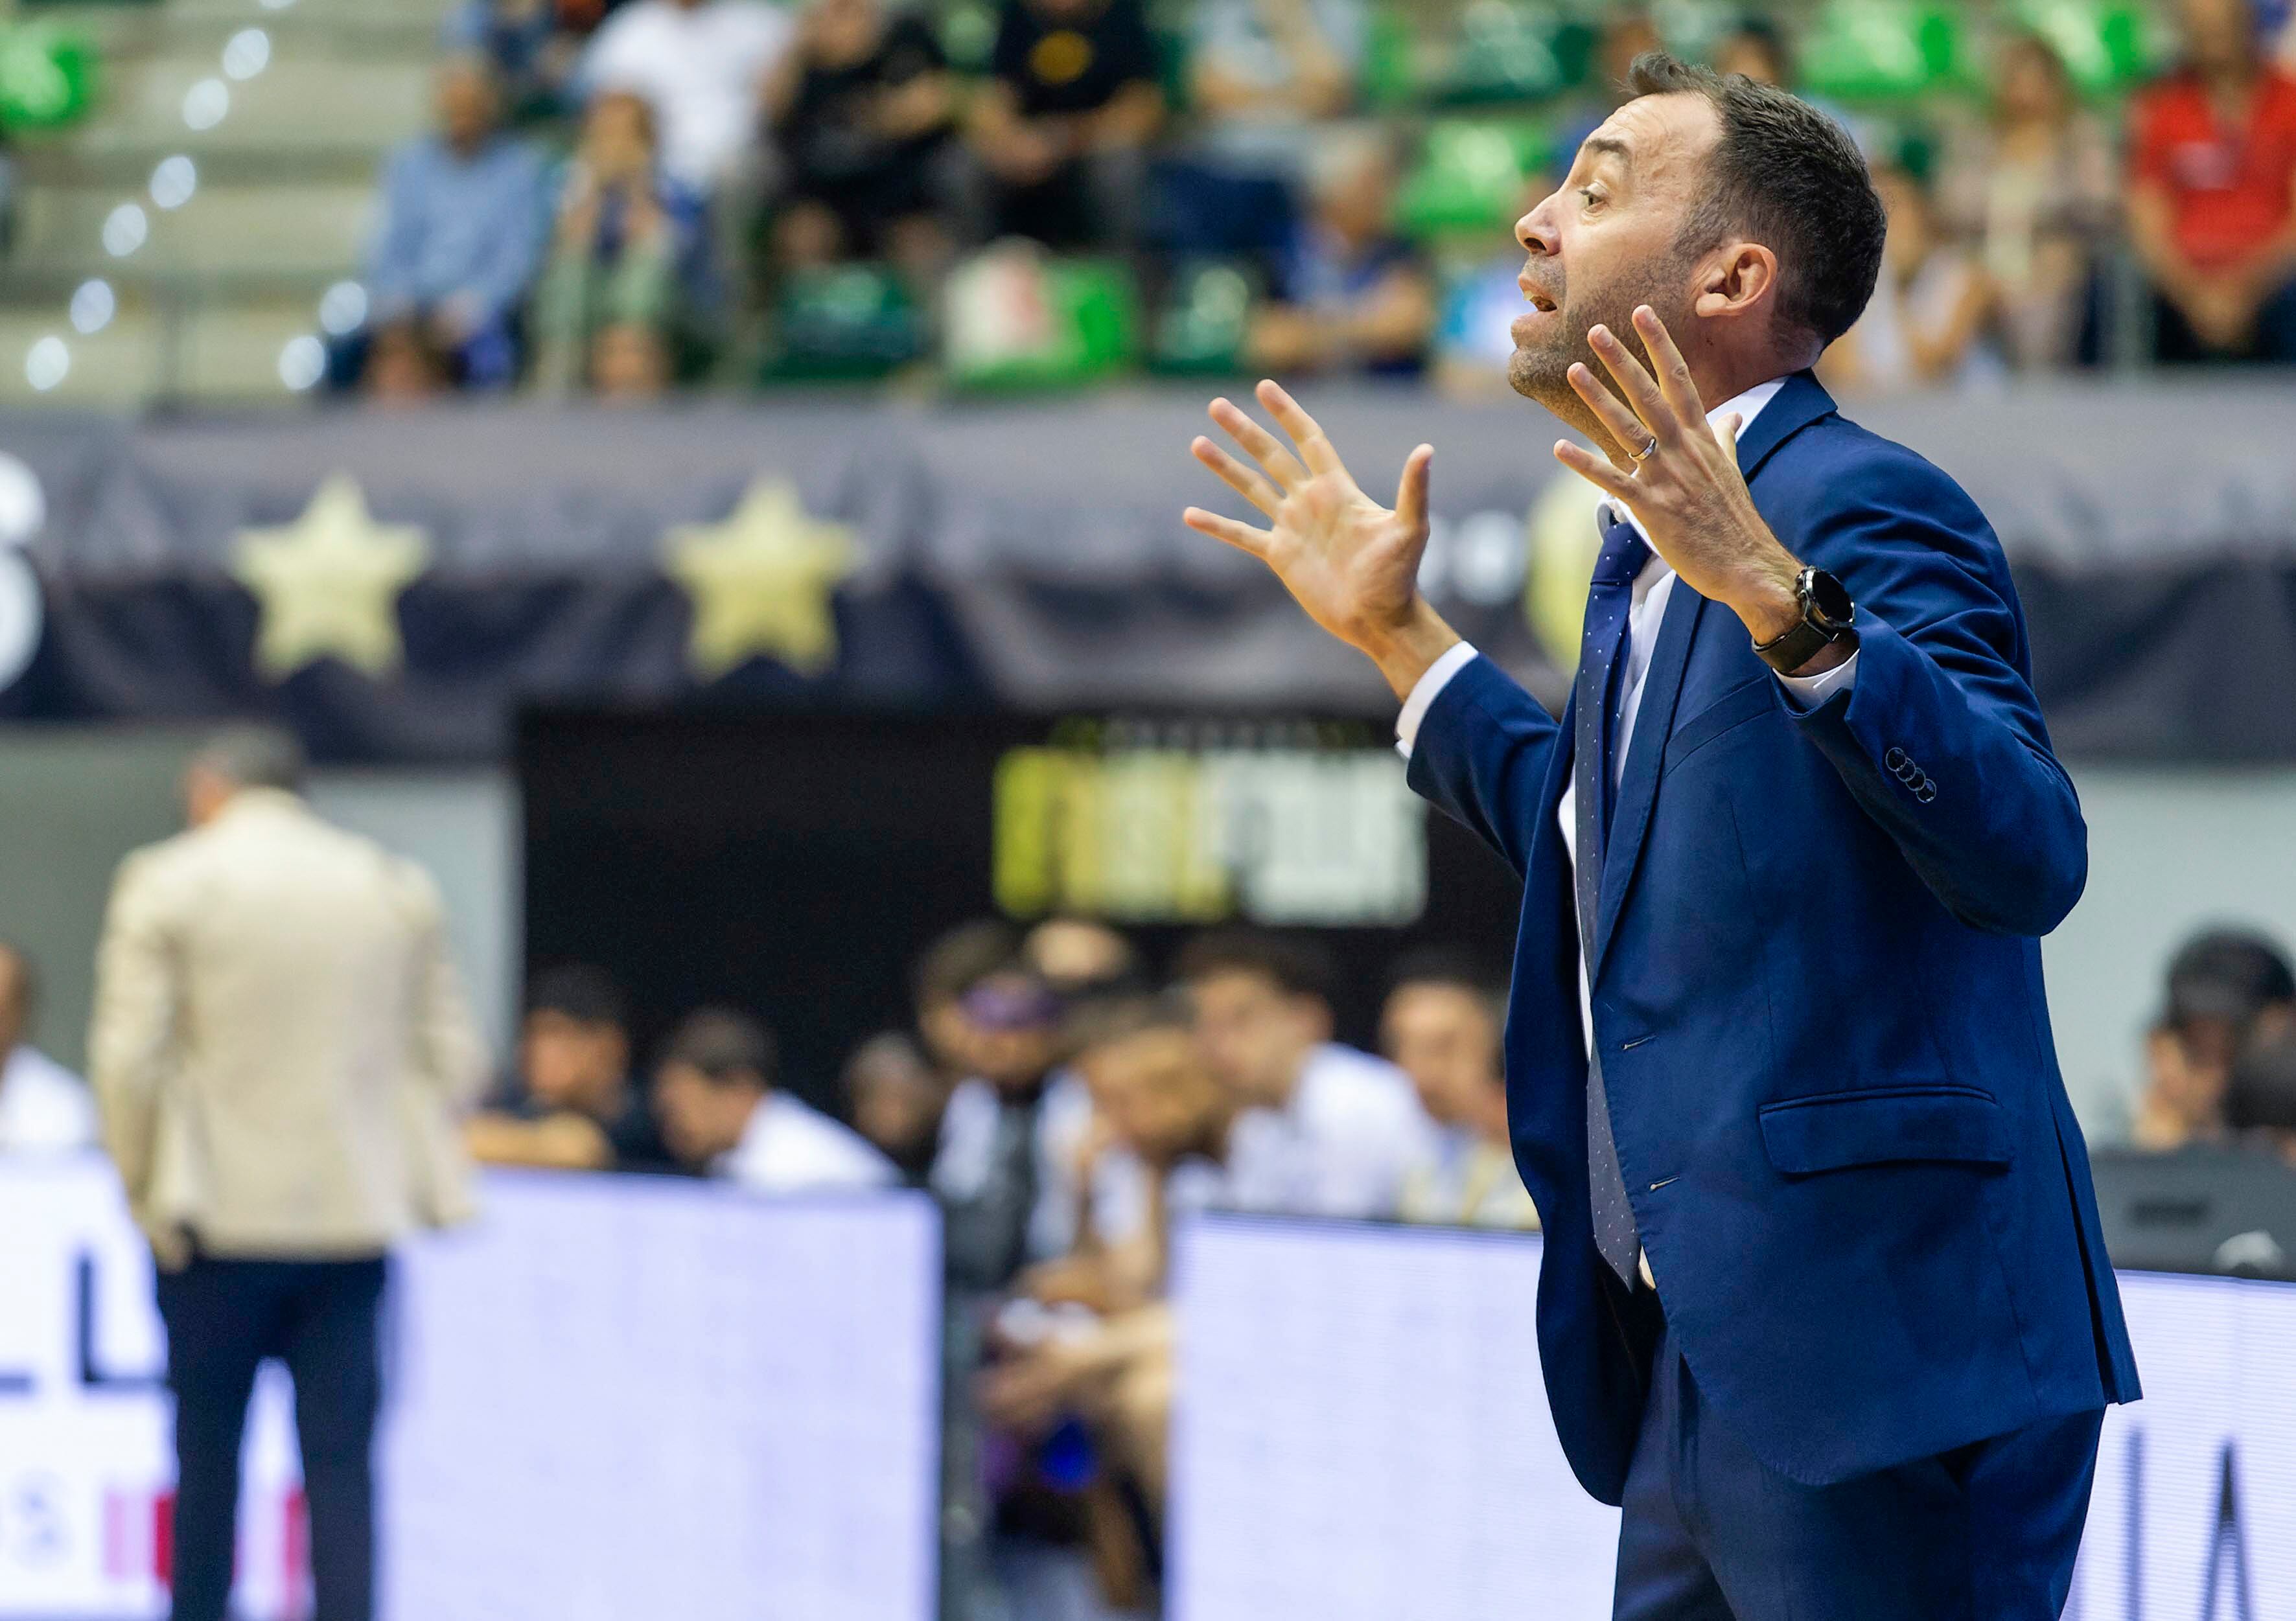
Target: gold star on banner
point(760, 582)
point(327, 584)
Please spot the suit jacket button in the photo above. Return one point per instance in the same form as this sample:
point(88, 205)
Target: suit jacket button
point(1926, 792)
point(1894, 760)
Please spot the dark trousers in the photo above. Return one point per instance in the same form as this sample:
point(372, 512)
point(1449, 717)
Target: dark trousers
point(1984, 1533)
point(322, 1318)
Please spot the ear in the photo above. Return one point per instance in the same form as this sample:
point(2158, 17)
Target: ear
point(1740, 279)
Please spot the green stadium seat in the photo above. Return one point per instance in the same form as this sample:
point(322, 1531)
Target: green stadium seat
point(1503, 53)
point(851, 322)
point(1021, 318)
point(1886, 50)
point(2107, 44)
point(1200, 329)
point(1471, 175)
point(48, 77)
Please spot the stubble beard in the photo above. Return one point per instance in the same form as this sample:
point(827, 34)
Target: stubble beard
point(1542, 372)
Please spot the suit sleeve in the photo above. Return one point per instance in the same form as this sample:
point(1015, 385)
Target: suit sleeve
point(1481, 754)
point(1941, 738)
point(138, 991)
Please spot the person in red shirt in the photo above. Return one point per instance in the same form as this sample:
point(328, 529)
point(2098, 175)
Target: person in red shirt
point(2212, 198)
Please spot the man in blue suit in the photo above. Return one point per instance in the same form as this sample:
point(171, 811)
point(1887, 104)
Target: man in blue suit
point(1825, 1304)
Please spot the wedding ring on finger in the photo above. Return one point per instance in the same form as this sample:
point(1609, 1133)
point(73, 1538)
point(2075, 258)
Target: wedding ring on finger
point(1644, 454)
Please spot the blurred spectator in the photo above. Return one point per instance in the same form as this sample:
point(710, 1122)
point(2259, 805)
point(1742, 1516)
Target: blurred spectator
point(1354, 295)
point(572, 1105)
point(630, 251)
point(995, 1162)
point(43, 1107)
point(896, 1098)
point(1926, 323)
point(952, 965)
point(2212, 198)
point(1265, 76)
point(2260, 1102)
point(702, 65)
point(534, 46)
point(278, 1044)
point(722, 1112)
point(1080, 957)
point(1325, 1130)
point(463, 220)
point(2033, 189)
point(1756, 47)
point(1059, 130)
point(1473, 337)
point(403, 363)
point(1627, 31)
point(1443, 1027)
point(862, 110)
point(2228, 990)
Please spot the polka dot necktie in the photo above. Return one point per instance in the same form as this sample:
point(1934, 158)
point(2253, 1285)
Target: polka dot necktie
point(1601, 659)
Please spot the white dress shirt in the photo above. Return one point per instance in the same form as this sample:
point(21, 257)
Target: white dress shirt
point(789, 1148)
point(1654, 588)
point(44, 1108)
point(1340, 1146)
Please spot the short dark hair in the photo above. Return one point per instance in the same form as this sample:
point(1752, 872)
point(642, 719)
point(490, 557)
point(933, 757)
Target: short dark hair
point(254, 756)
point(2226, 974)
point(1789, 177)
point(1104, 1020)
point(962, 958)
point(725, 1046)
point(583, 992)
point(2261, 1093)
point(1298, 964)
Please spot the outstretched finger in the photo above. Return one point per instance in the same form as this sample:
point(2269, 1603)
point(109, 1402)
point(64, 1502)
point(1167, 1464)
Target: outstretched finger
point(1236, 476)
point(1596, 470)
point(1242, 536)
point(1262, 445)
point(1674, 379)
point(1306, 433)
point(1411, 493)
point(1620, 424)
point(1636, 384)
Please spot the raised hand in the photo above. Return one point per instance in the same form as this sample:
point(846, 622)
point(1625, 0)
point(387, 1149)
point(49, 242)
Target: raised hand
point(1681, 480)
point(1352, 563)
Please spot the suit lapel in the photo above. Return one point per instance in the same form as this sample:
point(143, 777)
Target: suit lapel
point(1653, 725)
point(1803, 401)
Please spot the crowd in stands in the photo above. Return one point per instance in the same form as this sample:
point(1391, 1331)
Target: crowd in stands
point(624, 196)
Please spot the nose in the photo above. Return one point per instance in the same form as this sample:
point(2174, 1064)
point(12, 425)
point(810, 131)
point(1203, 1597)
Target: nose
point(1537, 230)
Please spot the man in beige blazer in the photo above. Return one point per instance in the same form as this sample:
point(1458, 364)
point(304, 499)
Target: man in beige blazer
point(279, 1049)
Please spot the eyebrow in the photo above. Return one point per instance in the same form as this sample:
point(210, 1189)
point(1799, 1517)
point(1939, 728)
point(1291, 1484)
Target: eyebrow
point(1608, 146)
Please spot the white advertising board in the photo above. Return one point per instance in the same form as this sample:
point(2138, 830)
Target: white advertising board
point(1362, 1433)
point(610, 1398)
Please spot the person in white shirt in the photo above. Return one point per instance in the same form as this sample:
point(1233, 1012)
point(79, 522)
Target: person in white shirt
point(44, 1108)
point(1443, 1025)
point(722, 1113)
point(703, 65)
point(1325, 1130)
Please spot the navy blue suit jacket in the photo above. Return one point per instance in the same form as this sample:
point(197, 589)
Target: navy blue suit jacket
point(1816, 986)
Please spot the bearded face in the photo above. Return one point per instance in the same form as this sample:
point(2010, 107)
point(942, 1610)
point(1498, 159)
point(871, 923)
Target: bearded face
point(1564, 308)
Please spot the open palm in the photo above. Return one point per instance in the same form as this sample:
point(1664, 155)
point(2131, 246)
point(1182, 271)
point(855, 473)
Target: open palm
point(1352, 563)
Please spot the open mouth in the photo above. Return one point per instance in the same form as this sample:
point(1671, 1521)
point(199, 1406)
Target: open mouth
point(1544, 305)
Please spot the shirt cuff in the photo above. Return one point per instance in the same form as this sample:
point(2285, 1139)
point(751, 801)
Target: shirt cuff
point(1429, 686)
point(1807, 692)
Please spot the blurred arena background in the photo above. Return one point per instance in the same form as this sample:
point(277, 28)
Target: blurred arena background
point(701, 478)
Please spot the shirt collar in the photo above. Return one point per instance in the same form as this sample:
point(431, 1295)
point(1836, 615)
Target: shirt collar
point(1747, 406)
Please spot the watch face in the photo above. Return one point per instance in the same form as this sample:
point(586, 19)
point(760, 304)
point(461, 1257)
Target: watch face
point(1828, 600)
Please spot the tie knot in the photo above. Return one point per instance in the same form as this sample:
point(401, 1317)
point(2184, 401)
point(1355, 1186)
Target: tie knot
point(1623, 550)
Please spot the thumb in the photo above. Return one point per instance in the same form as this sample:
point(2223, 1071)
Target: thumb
point(1411, 495)
point(1726, 431)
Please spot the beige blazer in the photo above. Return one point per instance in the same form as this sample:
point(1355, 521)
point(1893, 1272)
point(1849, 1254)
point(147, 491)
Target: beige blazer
point(280, 1043)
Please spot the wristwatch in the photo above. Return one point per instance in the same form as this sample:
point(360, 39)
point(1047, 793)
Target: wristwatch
point(1827, 615)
